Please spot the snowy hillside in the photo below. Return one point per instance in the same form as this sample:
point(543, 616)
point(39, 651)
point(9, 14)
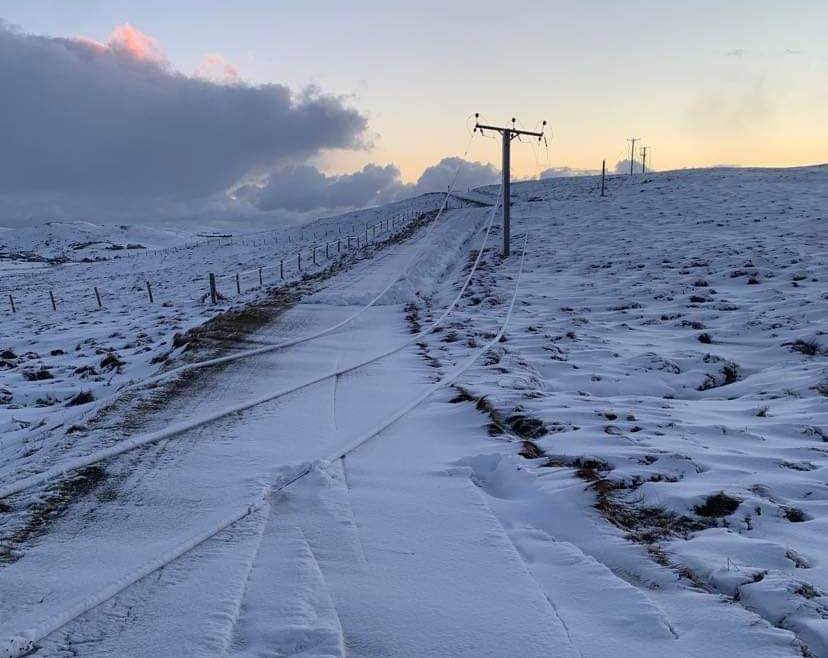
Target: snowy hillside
point(611, 444)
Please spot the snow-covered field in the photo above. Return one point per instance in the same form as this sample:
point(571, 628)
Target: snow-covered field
point(633, 469)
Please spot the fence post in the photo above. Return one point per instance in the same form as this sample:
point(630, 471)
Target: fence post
point(314, 254)
point(238, 284)
point(11, 301)
point(603, 176)
point(282, 269)
point(260, 277)
point(52, 297)
point(213, 291)
point(98, 296)
point(149, 292)
point(299, 260)
point(338, 245)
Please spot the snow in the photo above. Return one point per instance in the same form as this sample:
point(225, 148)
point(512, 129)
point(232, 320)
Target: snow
point(558, 466)
point(56, 355)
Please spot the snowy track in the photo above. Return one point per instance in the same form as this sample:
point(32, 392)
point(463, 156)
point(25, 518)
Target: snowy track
point(22, 643)
point(180, 428)
point(83, 604)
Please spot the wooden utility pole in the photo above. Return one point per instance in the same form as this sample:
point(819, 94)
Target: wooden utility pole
point(644, 150)
point(632, 141)
point(508, 135)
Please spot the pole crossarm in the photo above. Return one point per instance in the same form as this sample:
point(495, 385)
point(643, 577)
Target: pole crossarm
point(513, 131)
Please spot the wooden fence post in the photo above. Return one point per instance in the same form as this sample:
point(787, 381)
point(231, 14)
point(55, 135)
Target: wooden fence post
point(603, 177)
point(260, 277)
point(238, 284)
point(98, 296)
point(11, 301)
point(52, 297)
point(149, 292)
point(282, 269)
point(213, 291)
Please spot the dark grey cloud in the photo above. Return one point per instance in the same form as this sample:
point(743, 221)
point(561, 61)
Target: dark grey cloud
point(87, 128)
point(305, 189)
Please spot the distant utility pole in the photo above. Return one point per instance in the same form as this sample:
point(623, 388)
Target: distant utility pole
point(508, 135)
point(632, 141)
point(644, 150)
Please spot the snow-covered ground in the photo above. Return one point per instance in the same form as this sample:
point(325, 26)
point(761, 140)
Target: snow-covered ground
point(634, 468)
point(50, 357)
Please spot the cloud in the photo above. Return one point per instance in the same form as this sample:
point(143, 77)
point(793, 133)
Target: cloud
point(94, 130)
point(305, 189)
point(137, 45)
point(561, 172)
point(217, 69)
point(110, 131)
point(623, 166)
point(439, 177)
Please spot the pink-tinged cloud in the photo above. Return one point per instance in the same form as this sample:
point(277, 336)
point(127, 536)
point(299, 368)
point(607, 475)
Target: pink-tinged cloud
point(137, 44)
point(217, 69)
point(126, 40)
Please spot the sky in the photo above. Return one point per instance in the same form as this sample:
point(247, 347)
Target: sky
point(377, 95)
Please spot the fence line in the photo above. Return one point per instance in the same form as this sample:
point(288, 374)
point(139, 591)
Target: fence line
point(288, 264)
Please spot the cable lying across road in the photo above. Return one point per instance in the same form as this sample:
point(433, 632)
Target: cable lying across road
point(24, 642)
point(180, 428)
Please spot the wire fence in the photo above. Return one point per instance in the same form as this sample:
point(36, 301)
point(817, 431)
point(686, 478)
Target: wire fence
point(178, 274)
